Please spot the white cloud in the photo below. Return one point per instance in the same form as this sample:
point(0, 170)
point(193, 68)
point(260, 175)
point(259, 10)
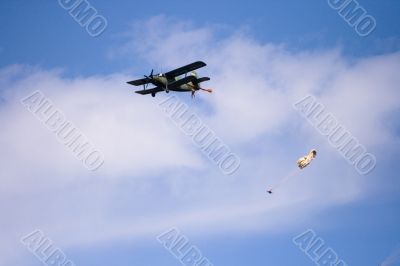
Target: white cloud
point(153, 177)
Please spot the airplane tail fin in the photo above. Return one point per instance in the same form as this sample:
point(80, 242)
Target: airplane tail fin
point(203, 79)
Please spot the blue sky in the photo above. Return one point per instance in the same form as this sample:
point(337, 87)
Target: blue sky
point(45, 34)
point(262, 57)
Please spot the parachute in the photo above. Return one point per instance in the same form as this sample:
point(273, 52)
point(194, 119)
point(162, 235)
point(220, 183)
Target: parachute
point(306, 160)
point(301, 163)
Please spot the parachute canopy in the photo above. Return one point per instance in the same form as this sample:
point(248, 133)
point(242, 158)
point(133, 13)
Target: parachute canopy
point(306, 160)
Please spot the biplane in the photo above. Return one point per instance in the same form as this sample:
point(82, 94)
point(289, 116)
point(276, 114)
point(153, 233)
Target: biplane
point(172, 81)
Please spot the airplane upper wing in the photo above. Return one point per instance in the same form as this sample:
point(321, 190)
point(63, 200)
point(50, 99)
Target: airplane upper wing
point(185, 69)
point(154, 90)
point(139, 82)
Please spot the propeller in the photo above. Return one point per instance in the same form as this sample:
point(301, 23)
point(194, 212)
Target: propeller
point(150, 77)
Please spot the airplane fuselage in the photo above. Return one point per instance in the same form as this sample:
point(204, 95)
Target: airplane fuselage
point(163, 82)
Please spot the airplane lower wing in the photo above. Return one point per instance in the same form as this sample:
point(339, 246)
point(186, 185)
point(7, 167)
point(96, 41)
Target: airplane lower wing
point(185, 69)
point(154, 90)
point(139, 82)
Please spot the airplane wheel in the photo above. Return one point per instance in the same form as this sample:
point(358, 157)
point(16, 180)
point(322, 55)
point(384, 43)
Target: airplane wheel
point(167, 91)
point(153, 95)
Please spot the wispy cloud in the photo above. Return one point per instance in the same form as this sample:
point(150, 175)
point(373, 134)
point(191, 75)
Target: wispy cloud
point(392, 259)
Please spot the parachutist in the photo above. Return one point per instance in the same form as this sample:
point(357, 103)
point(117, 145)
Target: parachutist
point(301, 163)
